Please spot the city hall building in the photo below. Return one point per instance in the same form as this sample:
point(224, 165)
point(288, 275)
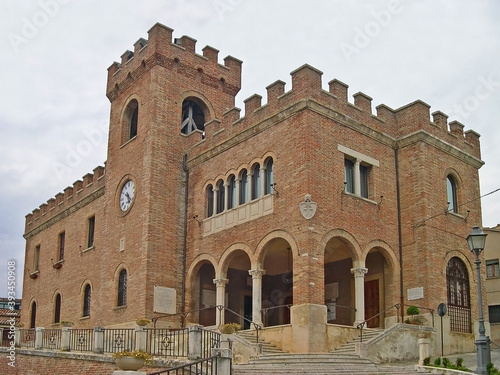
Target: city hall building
point(308, 213)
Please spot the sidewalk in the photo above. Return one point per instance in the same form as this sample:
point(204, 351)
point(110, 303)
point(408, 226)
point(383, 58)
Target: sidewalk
point(470, 359)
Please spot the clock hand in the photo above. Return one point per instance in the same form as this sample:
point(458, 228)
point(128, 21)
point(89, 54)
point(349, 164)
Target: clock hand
point(128, 197)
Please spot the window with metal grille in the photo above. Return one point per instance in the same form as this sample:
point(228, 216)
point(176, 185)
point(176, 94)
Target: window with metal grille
point(57, 309)
point(122, 288)
point(457, 280)
point(86, 300)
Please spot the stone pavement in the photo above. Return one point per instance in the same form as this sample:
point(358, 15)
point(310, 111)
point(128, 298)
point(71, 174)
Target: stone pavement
point(470, 359)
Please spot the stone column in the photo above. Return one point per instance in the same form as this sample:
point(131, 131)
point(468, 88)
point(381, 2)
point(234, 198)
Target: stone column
point(65, 338)
point(220, 297)
point(257, 295)
point(98, 339)
point(237, 181)
point(17, 337)
point(226, 196)
point(423, 348)
point(223, 362)
point(194, 342)
point(39, 337)
point(141, 337)
point(359, 293)
point(357, 177)
point(216, 198)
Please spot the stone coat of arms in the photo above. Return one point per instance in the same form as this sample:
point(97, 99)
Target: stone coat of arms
point(308, 207)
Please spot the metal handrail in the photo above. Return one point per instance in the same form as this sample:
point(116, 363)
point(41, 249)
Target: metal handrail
point(256, 326)
point(189, 366)
point(218, 307)
point(361, 325)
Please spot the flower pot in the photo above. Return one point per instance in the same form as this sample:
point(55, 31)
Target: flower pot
point(129, 363)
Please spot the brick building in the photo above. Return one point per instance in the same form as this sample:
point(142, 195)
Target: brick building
point(307, 210)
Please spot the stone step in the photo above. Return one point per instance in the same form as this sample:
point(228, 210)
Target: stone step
point(318, 364)
point(266, 347)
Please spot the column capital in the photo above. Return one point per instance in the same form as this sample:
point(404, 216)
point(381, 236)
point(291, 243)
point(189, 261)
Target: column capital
point(220, 282)
point(359, 272)
point(256, 274)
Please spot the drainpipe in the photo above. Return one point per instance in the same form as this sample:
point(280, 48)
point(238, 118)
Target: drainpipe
point(400, 238)
point(184, 245)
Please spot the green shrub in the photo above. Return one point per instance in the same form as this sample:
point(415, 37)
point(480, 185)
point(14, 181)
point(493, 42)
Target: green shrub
point(437, 362)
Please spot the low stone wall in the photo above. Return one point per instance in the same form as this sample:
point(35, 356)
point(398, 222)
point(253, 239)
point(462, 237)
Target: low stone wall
point(37, 362)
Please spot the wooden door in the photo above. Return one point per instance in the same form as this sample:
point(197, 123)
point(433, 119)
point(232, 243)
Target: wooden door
point(372, 303)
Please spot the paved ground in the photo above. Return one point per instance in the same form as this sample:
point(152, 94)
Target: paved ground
point(470, 359)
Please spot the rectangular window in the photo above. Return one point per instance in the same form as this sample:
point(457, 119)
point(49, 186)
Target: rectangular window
point(349, 176)
point(494, 313)
point(62, 239)
point(36, 258)
point(492, 268)
point(91, 228)
point(363, 180)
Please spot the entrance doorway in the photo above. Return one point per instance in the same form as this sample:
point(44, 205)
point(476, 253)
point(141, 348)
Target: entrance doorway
point(372, 303)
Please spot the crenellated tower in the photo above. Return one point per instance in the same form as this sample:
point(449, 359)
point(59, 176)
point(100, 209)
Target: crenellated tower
point(163, 95)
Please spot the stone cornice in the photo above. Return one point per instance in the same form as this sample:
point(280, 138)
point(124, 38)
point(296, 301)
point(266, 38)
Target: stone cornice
point(423, 136)
point(313, 105)
point(65, 213)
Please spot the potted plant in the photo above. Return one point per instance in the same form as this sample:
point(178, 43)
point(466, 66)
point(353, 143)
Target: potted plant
point(142, 322)
point(413, 311)
point(229, 328)
point(66, 323)
point(131, 360)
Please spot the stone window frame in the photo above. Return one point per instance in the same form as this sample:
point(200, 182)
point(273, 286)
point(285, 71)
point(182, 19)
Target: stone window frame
point(57, 307)
point(130, 120)
point(242, 184)
point(362, 183)
point(121, 289)
point(87, 299)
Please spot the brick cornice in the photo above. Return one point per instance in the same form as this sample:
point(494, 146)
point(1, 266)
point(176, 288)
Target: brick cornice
point(65, 213)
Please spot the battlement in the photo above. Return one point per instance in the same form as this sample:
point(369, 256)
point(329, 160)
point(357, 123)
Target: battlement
point(307, 91)
point(160, 49)
point(81, 189)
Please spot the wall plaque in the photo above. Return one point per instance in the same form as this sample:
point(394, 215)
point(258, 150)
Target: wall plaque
point(165, 300)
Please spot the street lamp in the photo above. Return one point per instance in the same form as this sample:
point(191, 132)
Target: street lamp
point(476, 240)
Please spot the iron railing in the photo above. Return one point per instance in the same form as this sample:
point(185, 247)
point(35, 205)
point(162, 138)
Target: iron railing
point(209, 341)
point(116, 340)
point(202, 366)
point(167, 342)
point(51, 339)
point(28, 338)
point(81, 340)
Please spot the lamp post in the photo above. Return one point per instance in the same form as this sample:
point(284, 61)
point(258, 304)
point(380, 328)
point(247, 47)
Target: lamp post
point(476, 240)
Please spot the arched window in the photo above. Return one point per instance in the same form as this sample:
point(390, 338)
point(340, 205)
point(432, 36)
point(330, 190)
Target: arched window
point(231, 199)
point(457, 281)
point(220, 196)
point(122, 288)
point(210, 200)
point(130, 120)
point(86, 300)
point(33, 315)
point(193, 117)
point(57, 308)
point(256, 182)
point(244, 187)
point(451, 194)
point(269, 176)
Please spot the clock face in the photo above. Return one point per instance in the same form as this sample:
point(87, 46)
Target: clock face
point(127, 195)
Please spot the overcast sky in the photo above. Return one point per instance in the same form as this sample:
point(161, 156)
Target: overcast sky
point(55, 55)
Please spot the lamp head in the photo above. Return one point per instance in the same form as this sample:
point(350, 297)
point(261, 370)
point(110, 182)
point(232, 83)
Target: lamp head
point(476, 240)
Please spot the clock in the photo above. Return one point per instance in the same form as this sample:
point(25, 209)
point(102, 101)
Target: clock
point(127, 195)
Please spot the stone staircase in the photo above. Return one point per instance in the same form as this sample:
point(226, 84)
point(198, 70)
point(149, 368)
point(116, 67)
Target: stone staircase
point(267, 348)
point(318, 364)
point(350, 347)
